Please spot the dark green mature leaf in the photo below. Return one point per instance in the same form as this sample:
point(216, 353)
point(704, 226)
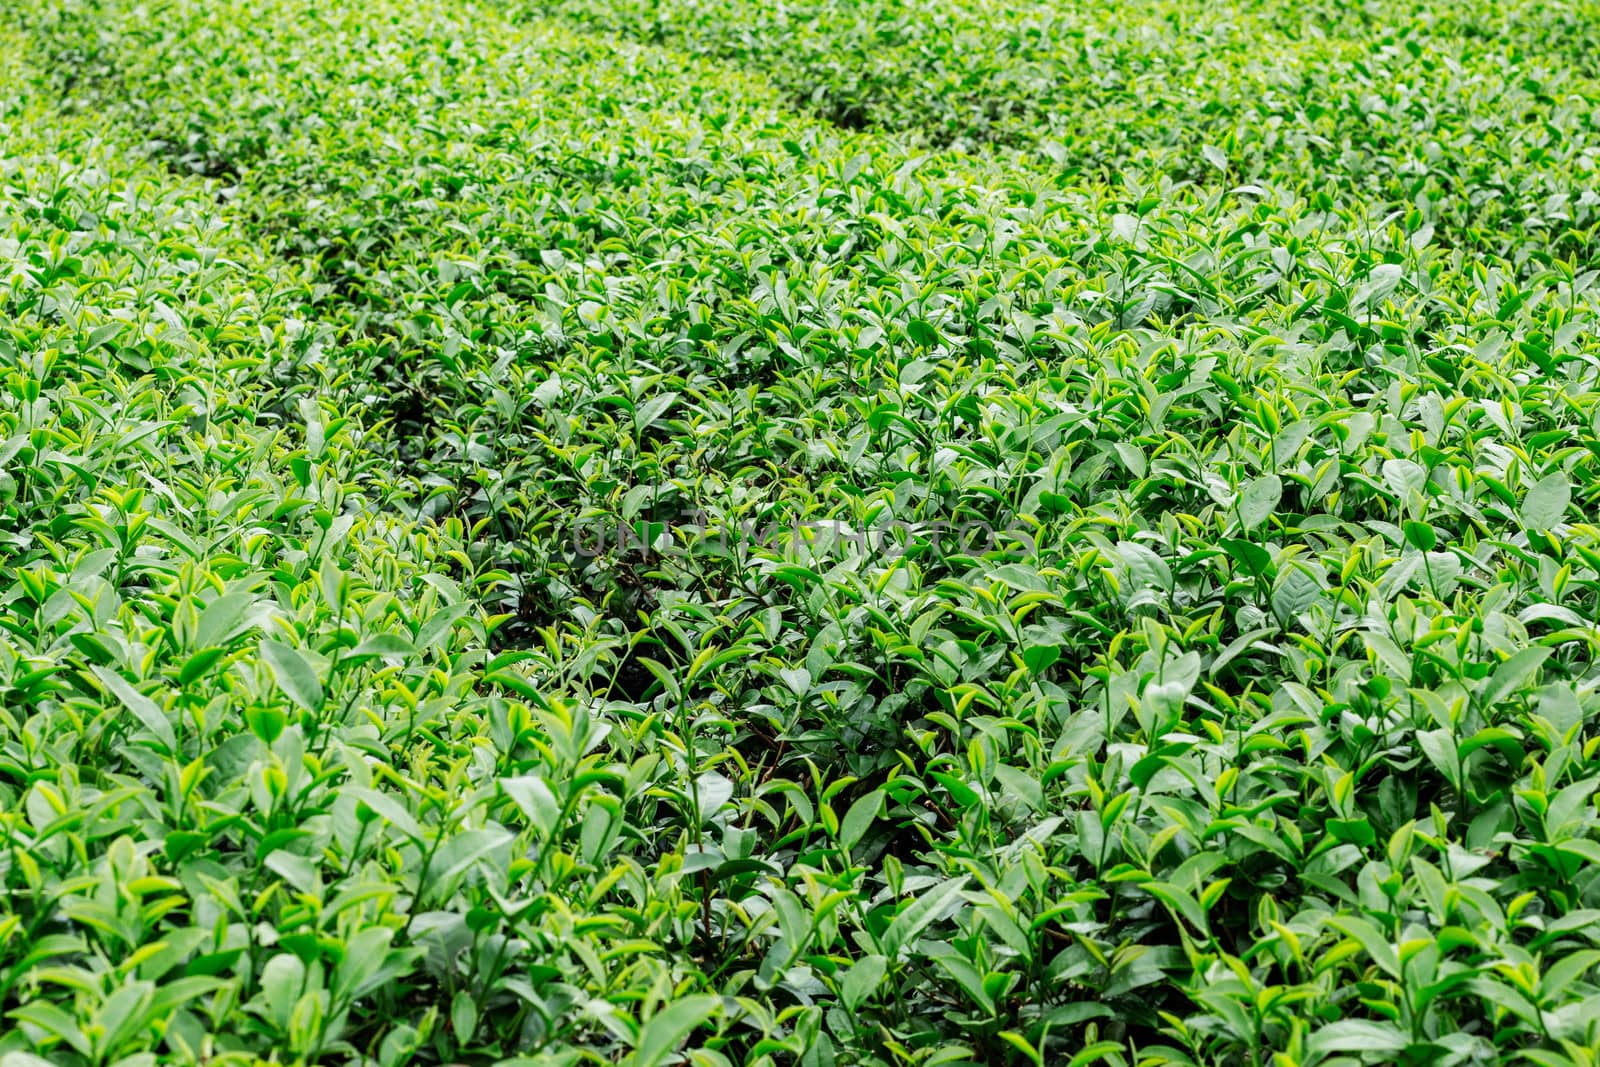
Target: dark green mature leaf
point(1377, 947)
point(142, 707)
point(922, 912)
point(1513, 674)
point(294, 674)
point(668, 1028)
point(1359, 1035)
point(859, 818)
point(862, 980)
point(1259, 499)
point(1546, 502)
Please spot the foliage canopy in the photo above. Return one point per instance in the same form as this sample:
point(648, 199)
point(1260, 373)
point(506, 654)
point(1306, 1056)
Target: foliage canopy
point(650, 531)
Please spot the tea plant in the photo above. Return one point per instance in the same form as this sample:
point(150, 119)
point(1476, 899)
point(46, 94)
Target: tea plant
point(844, 534)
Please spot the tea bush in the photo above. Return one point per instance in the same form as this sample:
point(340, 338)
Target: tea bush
point(837, 534)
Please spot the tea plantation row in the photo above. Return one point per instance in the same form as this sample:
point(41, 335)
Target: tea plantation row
point(844, 534)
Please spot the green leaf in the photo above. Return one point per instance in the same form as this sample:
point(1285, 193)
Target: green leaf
point(391, 646)
point(1145, 567)
point(654, 408)
point(1100, 1050)
point(223, 619)
point(1258, 500)
point(1512, 675)
point(1358, 831)
point(1181, 901)
point(1440, 748)
point(859, 818)
point(439, 625)
point(1546, 502)
point(294, 674)
point(1359, 1035)
point(267, 723)
point(922, 333)
point(1504, 996)
point(965, 975)
point(862, 980)
point(1038, 658)
point(1371, 940)
point(1239, 645)
point(1421, 535)
point(196, 666)
point(668, 1028)
point(918, 916)
point(1294, 592)
point(1405, 477)
point(962, 793)
point(713, 791)
point(1256, 561)
point(464, 1016)
point(143, 708)
point(52, 1020)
